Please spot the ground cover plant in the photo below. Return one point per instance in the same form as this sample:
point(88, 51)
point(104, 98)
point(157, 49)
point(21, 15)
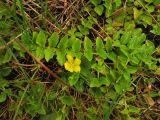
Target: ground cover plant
point(79, 59)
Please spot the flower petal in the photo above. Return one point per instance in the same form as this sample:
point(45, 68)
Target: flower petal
point(70, 58)
point(77, 68)
point(71, 69)
point(68, 66)
point(77, 62)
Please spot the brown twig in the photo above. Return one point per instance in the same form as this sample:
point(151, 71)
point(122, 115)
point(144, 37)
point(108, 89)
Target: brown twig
point(38, 61)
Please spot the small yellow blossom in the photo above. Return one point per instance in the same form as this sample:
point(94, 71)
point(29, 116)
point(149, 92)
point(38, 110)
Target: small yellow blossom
point(72, 65)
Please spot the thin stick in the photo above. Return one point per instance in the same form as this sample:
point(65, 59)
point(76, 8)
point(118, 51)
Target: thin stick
point(37, 60)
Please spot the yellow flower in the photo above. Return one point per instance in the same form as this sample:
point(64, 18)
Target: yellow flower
point(72, 65)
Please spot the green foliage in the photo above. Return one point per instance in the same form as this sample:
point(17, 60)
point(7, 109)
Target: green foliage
point(100, 48)
point(76, 48)
point(117, 56)
point(99, 9)
point(67, 100)
point(40, 52)
point(73, 79)
point(95, 2)
point(61, 56)
point(5, 57)
point(108, 44)
point(49, 53)
point(53, 40)
point(130, 109)
point(41, 39)
point(118, 3)
point(2, 97)
point(155, 30)
point(63, 43)
point(88, 52)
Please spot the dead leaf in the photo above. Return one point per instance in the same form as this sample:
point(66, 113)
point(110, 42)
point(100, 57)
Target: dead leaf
point(149, 100)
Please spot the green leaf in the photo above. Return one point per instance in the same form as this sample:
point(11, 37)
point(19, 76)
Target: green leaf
point(100, 67)
point(49, 53)
point(95, 2)
point(5, 71)
point(40, 52)
point(108, 44)
point(129, 25)
point(133, 109)
point(102, 53)
point(137, 12)
point(63, 43)
point(119, 87)
point(76, 46)
point(67, 100)
point(136, 40)
point(106, 111)
point(123, 62)
point(4, 10)
point(42, 110)
point(41, 39)
point(7, 57)
point(117, 43)
point(104, 81)
point(3, 97)
point(156, 2)
point(72, 31)
point(78, 34)
point(150, 8)
point(33, 107)
point(100, 48)
point(134, 60)
point(73, 79)
point(112, 56)
point(149, 1)
point(94, 83)
point(25, 38)
point(88, 53)
point(52, 96)
point(124, 49)
point(130, 109)
point(114, 74)
point(122, 84)
point(148, 48)
point(131, 69)
point(9, 92)
point(125, 37)
point(34, 37)
point(157, 71)
point(109, 9)
point(118, 3)
point(53, 40)
point(99, 9)
point(146, 19)
point(37, 90)
point(125, 111)
point(61, 57)
point(4, 83)
point(79, 85)
point(80, 115)
point(17, 47)
point(112, 94)
point(126, 75)
point(83, 30)
point(49, 116)
point(155, 30)
point(71, 40)
point(86, 23)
